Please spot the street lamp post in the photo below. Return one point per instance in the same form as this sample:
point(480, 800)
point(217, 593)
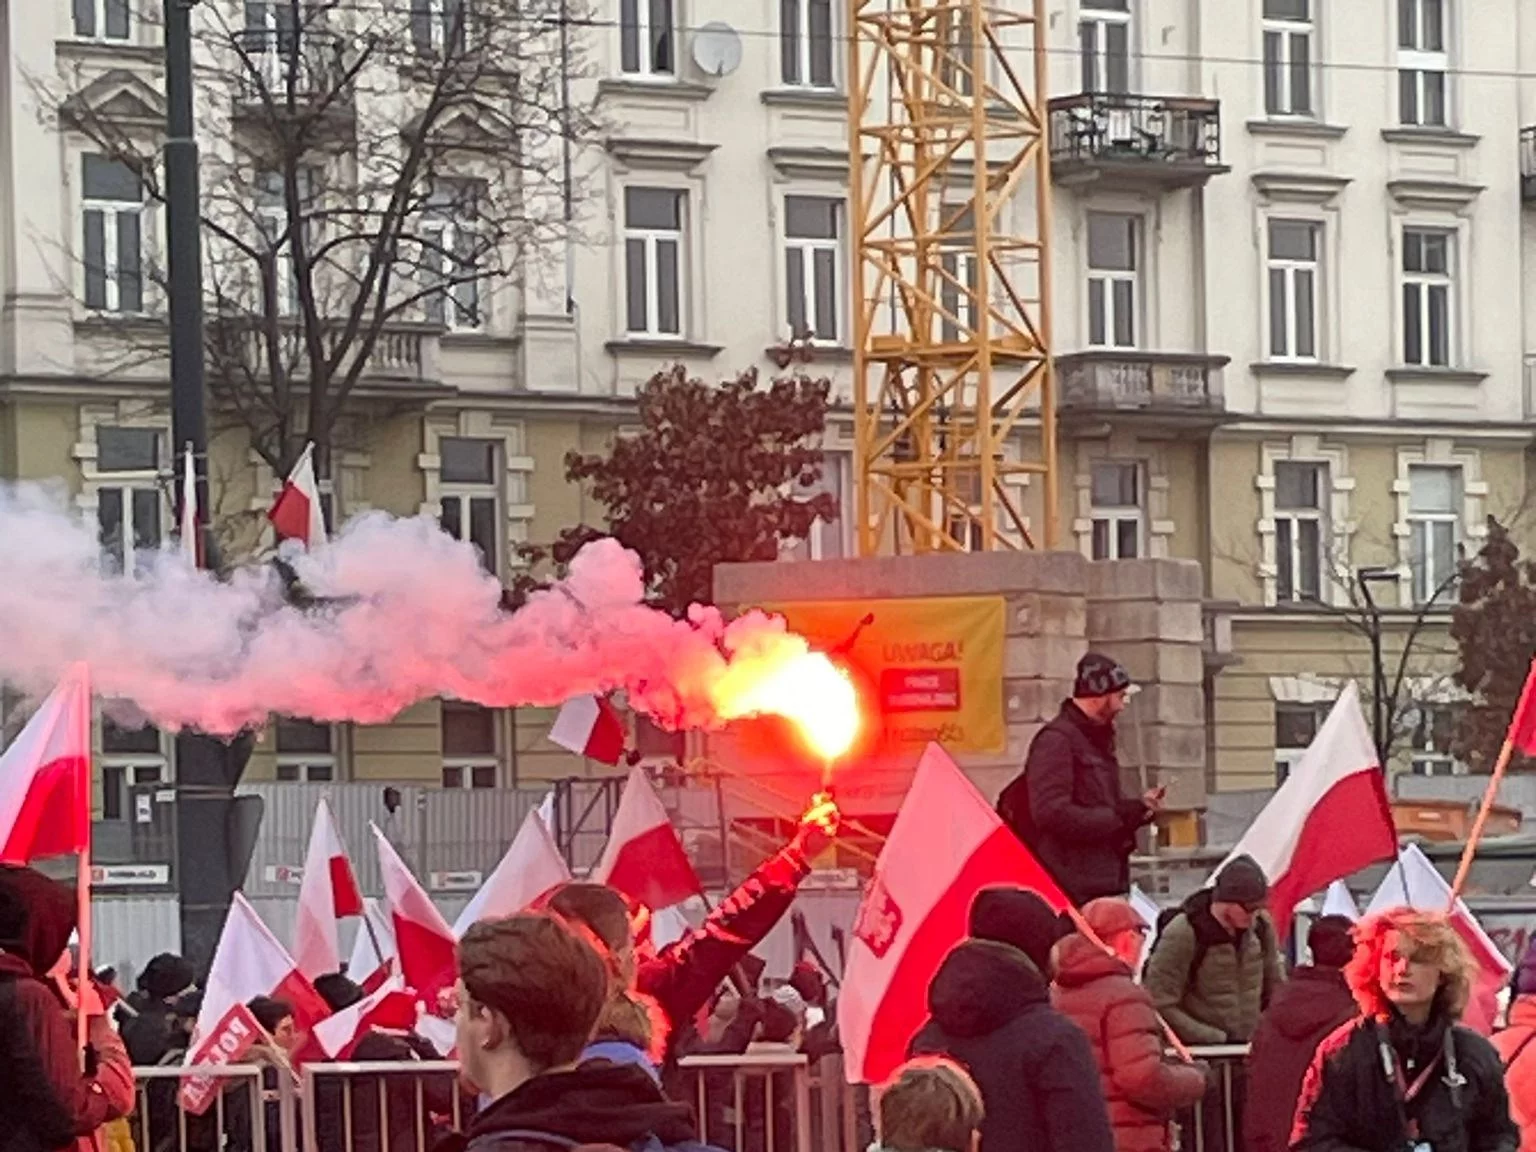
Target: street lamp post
point(1364, 578)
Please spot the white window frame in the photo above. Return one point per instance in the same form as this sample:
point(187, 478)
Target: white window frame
point(467, 765)
point(131, 765)
point(129, 482)
point(1425, 284)
point(1101, 20)
point(297, 767)
point(958, 259)
point(99, 10)
point(1425, 759)
point(437, 23)
point(796, 46)
point(836, 476)
point(1419, 63)
point(111, 211)
point(462, 304)
point(1108, 279)
point(653, 239)
point(1292, 269)
point(808, 247)
point(1295, 517)
point(1288, 757)
point(636, 14)
point(465, 492)
point(1113, 516)
point(1421, 528)
point(1288, 31)
point(272, 220)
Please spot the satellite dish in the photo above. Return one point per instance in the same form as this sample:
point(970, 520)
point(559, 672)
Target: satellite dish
point(717, 49)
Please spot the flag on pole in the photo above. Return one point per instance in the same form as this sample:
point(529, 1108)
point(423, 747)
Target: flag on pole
point(249, 962)
point(1147, 909)
point(530, 869)
point(191, 538)
point(367, 966)
point(297, 513)
point(547, 811)
point(389, 1006)
point(644, 859)
point(45, 777)
point(590, 726)
point(1328, 820)
point(425, 943)
point(1522, 725)
point(327, 893)
point(1416, 883)
point(917, 907)
point(1338, 901)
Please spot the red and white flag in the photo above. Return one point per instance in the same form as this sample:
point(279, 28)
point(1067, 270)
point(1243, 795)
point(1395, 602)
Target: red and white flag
point(1413, 882)
point(191, 538)
point(946, 845)
point(297, 514)
point(1328, 820)
point(327, 893)
point(590, 726)
point(531, 868)
point(425, 943)
point(45, 777)
point(374, 958)
point(644, 859)
point(249, 962)
point(1522, 725)
point(390, 1006)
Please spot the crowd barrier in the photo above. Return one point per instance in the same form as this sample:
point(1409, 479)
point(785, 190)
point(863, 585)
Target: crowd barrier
point(757, 1102)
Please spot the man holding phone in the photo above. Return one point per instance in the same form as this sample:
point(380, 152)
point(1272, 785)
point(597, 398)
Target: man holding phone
point(1067, 805)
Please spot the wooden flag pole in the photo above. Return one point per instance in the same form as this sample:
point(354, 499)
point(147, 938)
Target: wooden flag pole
point(83, 875)
point(1506, 753)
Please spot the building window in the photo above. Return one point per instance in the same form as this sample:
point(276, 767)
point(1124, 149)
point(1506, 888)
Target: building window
point(130, 757)
point(1299, 531)
point(129, 504)
point(470, 495)
point(450, 242)
point(1112, 244)
point(306, 751)
point(112, 235)
point(958, 286)
point(654, 742)
point(1434, 527)
point(1288, 58)
point(1434, 725)
point(653, 261)
point(1293, 282)
point(469, 745)
point(1422, 62)
point(647, 38)
point(438, 27)
point(1427, 297)
point(957, 65)
point(805, 40)
point(102, 19)
point(1296, 727)
point(1116, 511)
point(271, 212)
point(1104, 38)
point(812, 252)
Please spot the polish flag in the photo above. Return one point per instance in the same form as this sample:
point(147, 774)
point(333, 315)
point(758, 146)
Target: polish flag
point(1522, 725)
point(531, 869)
point(422, 937)
point(327, 893)
point(917, 906)
point(590, 726)
point(191, 538)
point(1328, 820)
point(389, 1006)
point(643, 858)
point(249, 962)
point(367, 965)
point(45, 777)
point(297, 514)
point(1416, 883)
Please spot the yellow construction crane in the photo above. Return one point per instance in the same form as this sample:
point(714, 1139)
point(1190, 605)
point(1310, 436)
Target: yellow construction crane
point(949, 202)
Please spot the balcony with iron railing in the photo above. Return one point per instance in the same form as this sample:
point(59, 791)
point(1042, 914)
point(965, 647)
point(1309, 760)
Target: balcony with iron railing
point(1135, 141)
point(290, 70)
point(404, 355)
point(1177, 388)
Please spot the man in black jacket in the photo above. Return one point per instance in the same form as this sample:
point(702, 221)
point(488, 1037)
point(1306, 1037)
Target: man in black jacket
point(1067, 805)
point(991, 1012)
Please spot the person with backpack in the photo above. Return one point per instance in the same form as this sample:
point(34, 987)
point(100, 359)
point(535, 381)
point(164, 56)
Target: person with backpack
point(1518, 1052)
point(531, 989)
point(1067, 804)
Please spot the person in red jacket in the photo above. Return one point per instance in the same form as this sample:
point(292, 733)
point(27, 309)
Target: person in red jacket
point(1097, 990)
point(48, 1103)
point(1312, 1004)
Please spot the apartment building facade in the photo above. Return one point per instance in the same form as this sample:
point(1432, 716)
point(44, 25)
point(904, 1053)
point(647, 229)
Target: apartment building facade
point(1285, 297)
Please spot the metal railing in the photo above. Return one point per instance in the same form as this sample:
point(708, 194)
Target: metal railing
point(1216, 1123)
point(1097, 127)
point(234, 1115)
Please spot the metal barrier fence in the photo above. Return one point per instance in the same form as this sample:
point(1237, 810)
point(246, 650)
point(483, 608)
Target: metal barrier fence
point(758, 1102)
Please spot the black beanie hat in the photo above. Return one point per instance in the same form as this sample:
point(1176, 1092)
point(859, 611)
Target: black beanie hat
point(338, 991)
point(1017, 917)
point(1331, 941)
point(1243, 882)
point(1098, 675)
point(167, 976)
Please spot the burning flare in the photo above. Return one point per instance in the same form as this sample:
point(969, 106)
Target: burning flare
point(805, 687)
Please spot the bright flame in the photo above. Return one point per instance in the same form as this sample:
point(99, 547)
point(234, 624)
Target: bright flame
point(808, 690)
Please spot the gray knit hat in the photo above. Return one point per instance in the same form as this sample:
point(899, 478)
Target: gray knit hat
point(1243, 882)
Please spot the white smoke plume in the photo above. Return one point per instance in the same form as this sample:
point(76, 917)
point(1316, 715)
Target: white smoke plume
point(415, 616)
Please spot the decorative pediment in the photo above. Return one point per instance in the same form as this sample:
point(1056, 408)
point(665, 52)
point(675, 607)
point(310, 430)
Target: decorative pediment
point(472, 129)
point(120, 97)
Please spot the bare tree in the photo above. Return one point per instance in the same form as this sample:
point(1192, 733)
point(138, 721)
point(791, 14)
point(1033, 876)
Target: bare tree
point(375, 173)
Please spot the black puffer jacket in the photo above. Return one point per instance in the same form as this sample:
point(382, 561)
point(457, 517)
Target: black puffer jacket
point(1068, 807)
point(1349, 1103)
point(1039, 1084)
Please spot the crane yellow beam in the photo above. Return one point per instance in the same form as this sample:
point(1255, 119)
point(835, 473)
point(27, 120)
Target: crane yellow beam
point(949, 204)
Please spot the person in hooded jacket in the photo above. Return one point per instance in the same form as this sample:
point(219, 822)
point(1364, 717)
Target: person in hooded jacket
point(1306, 1009)
point(156, 1028)
point(1097, 990)
point(530, 991)
point(47, 1103)
point(1517, 1050)
point(990, 1006)
point(1404, 1074)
